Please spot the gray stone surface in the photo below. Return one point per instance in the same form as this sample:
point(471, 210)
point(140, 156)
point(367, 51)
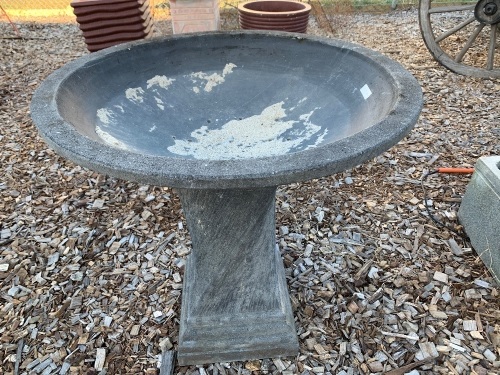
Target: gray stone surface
point(235, 302)
point(141, 103)
point(167, 362)
point(479, 212)
point(225, 118)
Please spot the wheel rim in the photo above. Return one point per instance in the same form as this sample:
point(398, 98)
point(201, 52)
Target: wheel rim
point(463, 38)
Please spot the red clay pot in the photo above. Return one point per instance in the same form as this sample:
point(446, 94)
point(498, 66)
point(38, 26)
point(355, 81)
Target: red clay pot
point(96, 7)
point(281, 15)
point(108, 13)
point(102, 24)
point(105, 23)
point(132, 27)
point(122, 36)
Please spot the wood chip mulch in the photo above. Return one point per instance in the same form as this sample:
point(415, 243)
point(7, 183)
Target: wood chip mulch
point(91, 267)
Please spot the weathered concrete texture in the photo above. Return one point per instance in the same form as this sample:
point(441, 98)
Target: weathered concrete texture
point(235, 303)
point(236, 114)
point(348, 103)
point(479, 212)
point(167, 362)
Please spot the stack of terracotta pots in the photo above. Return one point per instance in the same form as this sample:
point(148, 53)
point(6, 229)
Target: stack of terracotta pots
point(105, 23)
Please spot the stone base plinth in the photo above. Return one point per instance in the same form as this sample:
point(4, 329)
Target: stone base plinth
point(190, 16)
point(479, 212)
point(235, 303)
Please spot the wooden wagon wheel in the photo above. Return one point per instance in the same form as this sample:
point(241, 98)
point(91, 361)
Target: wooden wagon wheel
point(463, 38)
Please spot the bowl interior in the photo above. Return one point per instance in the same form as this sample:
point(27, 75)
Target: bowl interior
point(225, 97)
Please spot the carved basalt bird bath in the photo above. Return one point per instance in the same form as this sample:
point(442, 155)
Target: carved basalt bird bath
point(225, 118)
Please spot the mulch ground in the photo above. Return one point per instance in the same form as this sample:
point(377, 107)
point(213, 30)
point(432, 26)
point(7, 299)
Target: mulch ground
point(91, 267)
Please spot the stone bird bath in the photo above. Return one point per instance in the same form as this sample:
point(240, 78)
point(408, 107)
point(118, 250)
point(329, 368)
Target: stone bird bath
point(225, 118)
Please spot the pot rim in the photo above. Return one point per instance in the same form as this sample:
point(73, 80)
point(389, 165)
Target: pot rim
point(242, 8)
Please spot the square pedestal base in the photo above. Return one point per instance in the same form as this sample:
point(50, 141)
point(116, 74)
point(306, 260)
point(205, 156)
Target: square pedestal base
point(235, 303)
point(224, 338)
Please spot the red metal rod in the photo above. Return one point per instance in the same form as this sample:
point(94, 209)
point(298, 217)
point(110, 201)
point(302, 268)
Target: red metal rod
point(12, 23)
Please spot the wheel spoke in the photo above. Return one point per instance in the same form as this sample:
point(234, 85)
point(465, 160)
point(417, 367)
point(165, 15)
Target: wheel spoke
point(453, 8)
point(491, 49)
point(469, 43)
point(454, 30)
point(459, 36)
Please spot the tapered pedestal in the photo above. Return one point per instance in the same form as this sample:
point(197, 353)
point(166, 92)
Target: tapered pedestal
point(235, 303)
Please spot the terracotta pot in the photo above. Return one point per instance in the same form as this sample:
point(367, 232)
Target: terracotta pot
point(281, 15)
point(298, 29)
point(107, 13)
point(83, 8)
point(105, 23)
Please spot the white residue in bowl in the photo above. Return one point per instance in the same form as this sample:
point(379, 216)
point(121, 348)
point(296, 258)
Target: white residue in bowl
point(105, 115)
point(212, 80)
point(161, 81)
point(135, 94)
point(110, 140)
point(263, 135)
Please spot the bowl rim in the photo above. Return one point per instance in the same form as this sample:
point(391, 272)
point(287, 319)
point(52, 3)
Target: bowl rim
point(176, 172)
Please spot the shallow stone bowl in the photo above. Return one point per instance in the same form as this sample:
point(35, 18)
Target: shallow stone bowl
point(227, 110)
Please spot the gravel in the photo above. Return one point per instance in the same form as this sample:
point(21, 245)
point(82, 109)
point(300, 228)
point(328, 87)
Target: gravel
point(91, 267)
